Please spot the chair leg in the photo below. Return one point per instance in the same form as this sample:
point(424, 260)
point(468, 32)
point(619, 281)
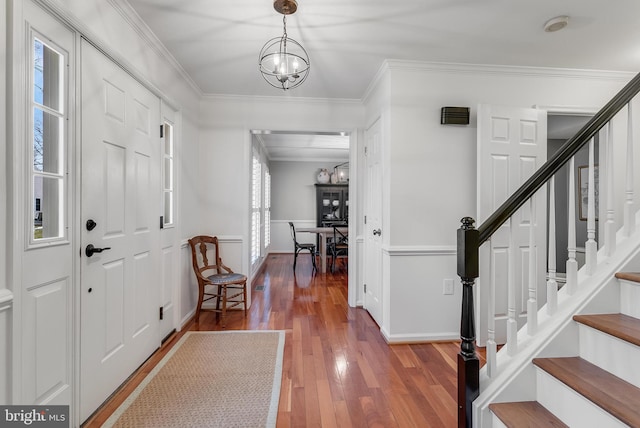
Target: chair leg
point(295, 259)
point(244, 293)
point(200, 299)
point(313, 259)
point(224, 307)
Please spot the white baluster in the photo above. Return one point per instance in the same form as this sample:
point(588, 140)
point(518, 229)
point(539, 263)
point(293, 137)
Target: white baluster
point(591, 246)
point(491, 330)
point(512, 322)
point(552, 284)
point(532, 303)
point(610, 225)
point(572, 263)
point(629, 217)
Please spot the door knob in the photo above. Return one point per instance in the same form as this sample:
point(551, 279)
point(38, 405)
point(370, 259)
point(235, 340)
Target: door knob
point(377, 232)
point(91, 249)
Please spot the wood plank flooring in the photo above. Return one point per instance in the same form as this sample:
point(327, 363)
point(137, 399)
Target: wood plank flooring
point(338, 370)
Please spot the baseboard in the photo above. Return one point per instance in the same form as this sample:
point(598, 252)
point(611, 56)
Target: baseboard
point(408, 339)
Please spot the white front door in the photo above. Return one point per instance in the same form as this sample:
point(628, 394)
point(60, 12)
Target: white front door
point(373, 227)
point(512, 145)
point(120, 296)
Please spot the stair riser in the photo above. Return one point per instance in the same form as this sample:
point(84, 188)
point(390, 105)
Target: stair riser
point(630, 298)
point(496, 422)
point(568, 405)
point(610, 353)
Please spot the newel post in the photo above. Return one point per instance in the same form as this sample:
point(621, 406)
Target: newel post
point(468, 362)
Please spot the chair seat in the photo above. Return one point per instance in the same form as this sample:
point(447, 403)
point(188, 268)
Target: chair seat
point(307, 246)
point(226, 278)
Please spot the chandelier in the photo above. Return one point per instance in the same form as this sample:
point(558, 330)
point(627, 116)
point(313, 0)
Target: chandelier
point(283, 62)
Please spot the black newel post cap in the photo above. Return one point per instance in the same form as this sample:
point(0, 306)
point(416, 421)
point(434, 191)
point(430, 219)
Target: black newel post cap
point(468, 239)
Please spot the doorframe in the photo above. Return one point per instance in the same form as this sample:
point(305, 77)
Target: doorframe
point(354, 213)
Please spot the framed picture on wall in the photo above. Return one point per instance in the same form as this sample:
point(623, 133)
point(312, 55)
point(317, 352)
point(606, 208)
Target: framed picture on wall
point(583, 190)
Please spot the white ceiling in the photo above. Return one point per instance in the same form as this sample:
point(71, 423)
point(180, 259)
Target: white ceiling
point(217, 41)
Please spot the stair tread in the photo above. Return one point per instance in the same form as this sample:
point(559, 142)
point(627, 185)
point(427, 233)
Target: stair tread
point(629, 276)
point(614, 395)
point(621, 326)
point(525, 414)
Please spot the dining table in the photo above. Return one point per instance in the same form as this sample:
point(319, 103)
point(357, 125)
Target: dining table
point(324, 233)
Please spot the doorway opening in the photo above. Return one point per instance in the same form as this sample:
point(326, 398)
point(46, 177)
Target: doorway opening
point(295, 161)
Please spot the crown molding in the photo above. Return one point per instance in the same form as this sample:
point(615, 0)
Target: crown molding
point(382, 70)
point(130, 15)
point(421, 66)
point(280, 99)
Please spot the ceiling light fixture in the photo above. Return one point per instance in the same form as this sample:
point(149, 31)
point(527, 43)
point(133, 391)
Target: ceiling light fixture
point(556, 24)
point(283, 62)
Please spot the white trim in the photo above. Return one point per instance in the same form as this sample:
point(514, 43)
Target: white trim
point(280, 99)
point(421, 66)
point(557, 110)
point(79, 27)
point(134, 20)
point(422, 250)
point(418, 338)
point(6, 297)
point(384, 68)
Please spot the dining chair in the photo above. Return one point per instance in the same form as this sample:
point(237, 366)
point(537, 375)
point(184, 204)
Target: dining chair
point(215, 280)
point(339, 246)
point(297, 247)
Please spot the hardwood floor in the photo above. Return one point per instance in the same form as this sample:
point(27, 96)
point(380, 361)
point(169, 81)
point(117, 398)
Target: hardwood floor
point(338, 370)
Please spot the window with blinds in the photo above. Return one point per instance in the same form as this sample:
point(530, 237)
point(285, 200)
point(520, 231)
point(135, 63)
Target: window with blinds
point(267, 208)
point(256, 205)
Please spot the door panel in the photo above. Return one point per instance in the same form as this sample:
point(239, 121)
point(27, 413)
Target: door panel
point(373, 207)
point(121, 191)
point(44, 293)
point(511, 147)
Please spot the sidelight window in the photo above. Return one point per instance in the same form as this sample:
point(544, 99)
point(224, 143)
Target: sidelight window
point(47, 134)
point(168, 175)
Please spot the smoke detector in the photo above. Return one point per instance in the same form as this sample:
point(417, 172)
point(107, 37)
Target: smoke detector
point(556, 24)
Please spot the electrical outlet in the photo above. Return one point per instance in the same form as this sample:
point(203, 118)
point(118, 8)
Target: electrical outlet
point(447, 287)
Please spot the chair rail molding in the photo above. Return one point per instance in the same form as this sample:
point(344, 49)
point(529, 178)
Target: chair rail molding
point(420, 250)
point(6, 299)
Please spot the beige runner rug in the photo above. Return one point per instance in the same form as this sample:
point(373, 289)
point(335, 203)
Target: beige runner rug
point(210, 379)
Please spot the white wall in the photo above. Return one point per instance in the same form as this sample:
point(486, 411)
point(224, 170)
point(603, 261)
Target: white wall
point(432, 175)
point(225, 148)
point(293, 198)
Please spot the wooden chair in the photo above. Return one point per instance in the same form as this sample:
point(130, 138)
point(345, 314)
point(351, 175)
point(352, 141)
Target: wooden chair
point(297, 247)
point(339, 246)
point(215, 280)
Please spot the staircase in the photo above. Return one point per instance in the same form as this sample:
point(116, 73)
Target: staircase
point(600, 387)
point(572, 361)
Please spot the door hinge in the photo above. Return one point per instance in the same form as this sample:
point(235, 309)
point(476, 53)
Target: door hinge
point(365, 150)
point(365, 219)
point(161, 313)
point(365, 289)
point(161, 222)
point(161, 131)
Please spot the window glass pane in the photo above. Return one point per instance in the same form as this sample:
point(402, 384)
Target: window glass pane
point(47, 219)
point(168, 174)
point(47, 76)
point(168, 140)
point(46, 142)
point(168, 211)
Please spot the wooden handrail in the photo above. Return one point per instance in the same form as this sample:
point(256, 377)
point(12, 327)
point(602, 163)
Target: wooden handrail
point(562, 156)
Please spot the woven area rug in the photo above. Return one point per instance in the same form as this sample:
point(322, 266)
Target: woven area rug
point(210, 379)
